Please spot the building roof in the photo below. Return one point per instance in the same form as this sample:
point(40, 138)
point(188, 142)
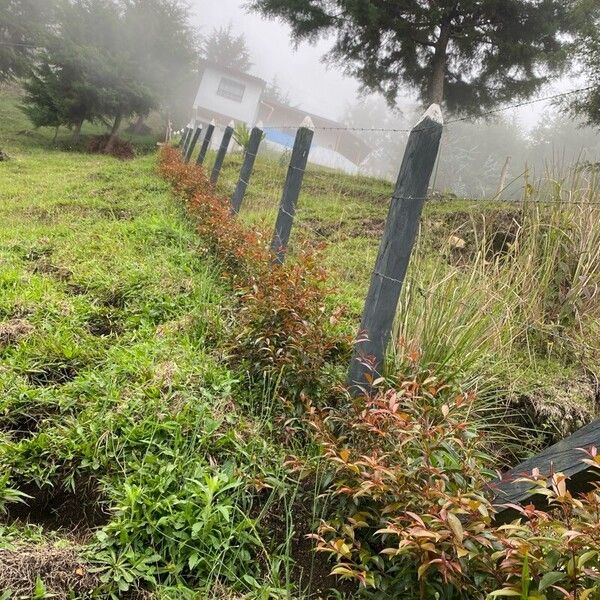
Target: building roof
point(275, 113)
point(234, 72)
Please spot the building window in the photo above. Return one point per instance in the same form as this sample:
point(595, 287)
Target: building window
point(228, 88)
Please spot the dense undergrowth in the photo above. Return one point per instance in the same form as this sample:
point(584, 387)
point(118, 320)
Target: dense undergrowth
point(172, 423)
point(410, 469)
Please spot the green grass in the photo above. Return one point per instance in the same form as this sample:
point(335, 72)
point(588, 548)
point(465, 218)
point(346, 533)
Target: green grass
point(516, 306)
point(119, 420)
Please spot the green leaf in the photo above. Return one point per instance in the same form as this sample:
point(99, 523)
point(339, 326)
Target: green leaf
point(549, 579)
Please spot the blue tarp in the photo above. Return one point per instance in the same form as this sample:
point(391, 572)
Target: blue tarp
point(279, 137)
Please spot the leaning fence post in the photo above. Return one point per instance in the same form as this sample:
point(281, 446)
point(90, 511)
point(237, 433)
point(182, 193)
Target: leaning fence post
point(192, 144)
point(189, 137)
point(206, 143)
point(395, 250)
point(214, 177)
point(184, 136)
point(291, 190)
point(246, 171)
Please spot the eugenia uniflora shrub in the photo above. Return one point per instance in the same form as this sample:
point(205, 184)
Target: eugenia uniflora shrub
point(412, 515)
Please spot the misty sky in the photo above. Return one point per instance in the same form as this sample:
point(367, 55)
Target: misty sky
point(311, 84)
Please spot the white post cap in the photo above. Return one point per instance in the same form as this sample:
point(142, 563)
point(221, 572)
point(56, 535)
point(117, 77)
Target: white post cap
point(308, 124)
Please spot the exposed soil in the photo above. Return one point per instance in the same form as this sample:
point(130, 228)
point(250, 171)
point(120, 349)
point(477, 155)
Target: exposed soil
point(56, 508)
point(13, 331)
point(311, 571)
point(369, 228)
point(46, 267)
point(60, 568)
point(105, 324)
point(52, 375)
point(120, 148)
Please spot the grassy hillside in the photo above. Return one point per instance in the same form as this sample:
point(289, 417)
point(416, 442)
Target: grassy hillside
point(123, 459)
point(507, 291)
point(135, 457)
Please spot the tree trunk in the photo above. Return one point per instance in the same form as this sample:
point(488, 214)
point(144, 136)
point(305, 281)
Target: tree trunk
point(139, 125)
point(55, 134)
point(77, 132)
point(113, 133)
point(440, 57)
point(503, 177)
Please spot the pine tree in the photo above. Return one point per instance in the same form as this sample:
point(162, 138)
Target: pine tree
point(228, 50)
point(22, 25)
point(472, 54)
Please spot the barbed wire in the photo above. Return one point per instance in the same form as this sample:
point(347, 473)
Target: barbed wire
point(450, 122)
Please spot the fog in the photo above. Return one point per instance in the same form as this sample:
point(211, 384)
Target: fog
point(312, 85)
point(536, 136)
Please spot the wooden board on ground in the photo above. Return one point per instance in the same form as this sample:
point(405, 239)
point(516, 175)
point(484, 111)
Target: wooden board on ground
point(565, 457)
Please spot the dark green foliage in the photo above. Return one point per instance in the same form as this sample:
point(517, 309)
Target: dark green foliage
point(108, 60)
point(473, 54)
point(22, 23)
point(228, 50)
point(586, 106)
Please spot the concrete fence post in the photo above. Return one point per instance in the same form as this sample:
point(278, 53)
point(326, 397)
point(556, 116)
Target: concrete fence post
point(227, 135)
point(190, 148)
point(291, 190)
point(396, 247)
point(206, 143)
point(256, 137)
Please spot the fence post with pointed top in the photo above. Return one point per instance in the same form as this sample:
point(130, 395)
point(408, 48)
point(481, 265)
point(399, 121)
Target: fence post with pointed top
point(206, 143)
point(256, 137)
point(395, 250)
point(184, 136)
point(214, 177)
point(291, 190)
point(190, 148)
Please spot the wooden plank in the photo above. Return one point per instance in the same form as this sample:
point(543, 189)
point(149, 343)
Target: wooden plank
point(220, 159)
point(206, 143)
point(246, 171)
point(563, 457)
point(190, 148)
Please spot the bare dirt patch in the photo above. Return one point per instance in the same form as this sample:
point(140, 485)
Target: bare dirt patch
point(13, 331)
point(60, 569)
point(76, 512)
point(46, 267)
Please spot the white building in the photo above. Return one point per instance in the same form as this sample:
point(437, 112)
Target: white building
point(226, 94)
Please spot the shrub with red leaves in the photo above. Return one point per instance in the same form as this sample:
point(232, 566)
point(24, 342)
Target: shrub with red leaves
point(284, 329)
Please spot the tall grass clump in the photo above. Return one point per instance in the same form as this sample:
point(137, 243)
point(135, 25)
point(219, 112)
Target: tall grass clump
point(527, 297)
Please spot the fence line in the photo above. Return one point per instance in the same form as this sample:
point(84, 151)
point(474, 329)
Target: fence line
point(400, 227)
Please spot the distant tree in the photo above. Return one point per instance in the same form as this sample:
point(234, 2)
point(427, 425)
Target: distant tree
point(167, 48)
point(22, 24)
point(586, 106)
point(558, 142)
point(227, 49)
point(89, 70)
point(274, 92)
point(472, 54)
